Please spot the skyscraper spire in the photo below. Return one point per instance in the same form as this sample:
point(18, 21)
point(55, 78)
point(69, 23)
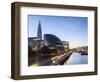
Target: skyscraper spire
point(39, 32)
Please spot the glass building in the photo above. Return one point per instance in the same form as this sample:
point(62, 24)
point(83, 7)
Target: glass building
point(53, 42)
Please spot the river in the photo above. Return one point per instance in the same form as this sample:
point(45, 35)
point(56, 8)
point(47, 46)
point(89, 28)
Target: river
point(77, 58)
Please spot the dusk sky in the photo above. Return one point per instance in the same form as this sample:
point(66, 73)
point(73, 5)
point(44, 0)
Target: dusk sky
point(72, 29)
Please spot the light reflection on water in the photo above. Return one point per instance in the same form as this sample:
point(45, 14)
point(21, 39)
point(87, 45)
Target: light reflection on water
point(77, 58)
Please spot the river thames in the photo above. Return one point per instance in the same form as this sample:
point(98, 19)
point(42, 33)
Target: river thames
point(77, 58)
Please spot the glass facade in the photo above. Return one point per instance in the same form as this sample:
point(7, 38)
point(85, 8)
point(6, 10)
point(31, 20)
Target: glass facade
point(52, 41)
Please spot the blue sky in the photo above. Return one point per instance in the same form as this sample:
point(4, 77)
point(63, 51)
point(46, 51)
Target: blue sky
point(72, 29)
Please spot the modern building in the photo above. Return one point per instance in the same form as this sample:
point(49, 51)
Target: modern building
point(50, 40)
point(39, 31)
point(36, 42)
point(66, 45)
point(53, 42)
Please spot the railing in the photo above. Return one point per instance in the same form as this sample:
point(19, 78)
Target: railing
point(59, 60)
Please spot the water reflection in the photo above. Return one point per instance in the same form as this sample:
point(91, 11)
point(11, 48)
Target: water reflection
point(77, 58)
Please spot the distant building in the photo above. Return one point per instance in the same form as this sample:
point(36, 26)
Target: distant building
point(66, 45)
point(36, 42)
point(32, 42)
point(39, 31)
